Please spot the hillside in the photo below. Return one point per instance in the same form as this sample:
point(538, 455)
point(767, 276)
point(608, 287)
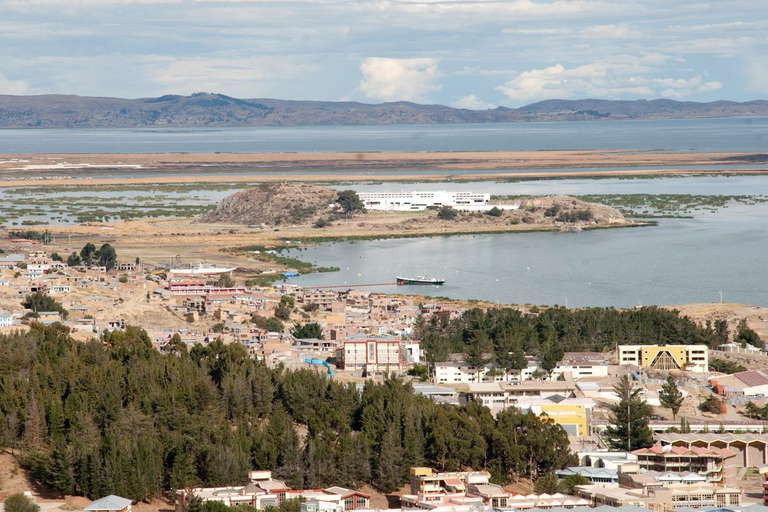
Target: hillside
point(273, 205)
point(218, 110)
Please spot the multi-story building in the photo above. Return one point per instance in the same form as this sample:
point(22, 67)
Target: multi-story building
point(556, 399)
point(370, 353)
point(457, 371)
point(718, 465)
point(500, 395)
point(406, 201)
point(452, 491)
point(573, 414)
point(694, 358)
point(751, 449)
point(263, 491)
point(661, 498)
point(582, 365)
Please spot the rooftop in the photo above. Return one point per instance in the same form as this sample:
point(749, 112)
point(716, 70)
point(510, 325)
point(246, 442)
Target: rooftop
point(110, 502)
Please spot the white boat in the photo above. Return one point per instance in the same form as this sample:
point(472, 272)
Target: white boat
point(201, 269)
point(420, 280)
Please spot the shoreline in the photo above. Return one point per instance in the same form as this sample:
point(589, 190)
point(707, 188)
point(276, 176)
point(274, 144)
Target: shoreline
point(335, 178)
point(172, 168)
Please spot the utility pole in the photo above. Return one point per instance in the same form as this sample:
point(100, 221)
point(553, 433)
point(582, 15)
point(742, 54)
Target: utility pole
point(629, 431)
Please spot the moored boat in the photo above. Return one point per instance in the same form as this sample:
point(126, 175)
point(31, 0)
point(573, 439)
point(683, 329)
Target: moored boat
point(420, 280)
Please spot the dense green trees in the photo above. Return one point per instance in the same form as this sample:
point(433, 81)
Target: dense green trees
point(119, 417)
point(40, 301)
point(747, 336)
point(723, 366)
point(508, 335)
point(629, 419)
point(308, 330)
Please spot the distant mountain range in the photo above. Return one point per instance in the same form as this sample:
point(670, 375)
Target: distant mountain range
point(218, 110)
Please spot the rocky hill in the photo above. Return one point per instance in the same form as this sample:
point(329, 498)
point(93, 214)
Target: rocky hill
point(273, 205)
point(218, 110)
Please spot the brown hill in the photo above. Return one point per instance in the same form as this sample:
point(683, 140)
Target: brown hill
point(273, 205)
point(209, 109)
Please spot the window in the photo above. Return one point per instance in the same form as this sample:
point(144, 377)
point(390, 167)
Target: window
point(349, 503)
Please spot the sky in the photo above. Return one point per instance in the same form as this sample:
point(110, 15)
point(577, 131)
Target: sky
point(473, 54)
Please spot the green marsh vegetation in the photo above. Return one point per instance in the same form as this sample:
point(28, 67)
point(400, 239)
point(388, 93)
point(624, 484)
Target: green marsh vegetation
point(671, 205)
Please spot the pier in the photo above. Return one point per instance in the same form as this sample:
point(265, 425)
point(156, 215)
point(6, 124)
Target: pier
point(348, 286)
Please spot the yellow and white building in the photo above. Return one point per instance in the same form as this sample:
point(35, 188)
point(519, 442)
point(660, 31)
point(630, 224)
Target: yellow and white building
point(692, 358)
point(573, 414)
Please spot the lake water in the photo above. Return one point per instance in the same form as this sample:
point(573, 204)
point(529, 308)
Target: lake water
point(675, 135)
point(679, 261)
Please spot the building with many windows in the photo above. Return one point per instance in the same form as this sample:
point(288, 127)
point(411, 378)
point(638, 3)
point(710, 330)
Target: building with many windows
point(406, 201)
point(693, 358)
point(717, 466)
point(369, 353)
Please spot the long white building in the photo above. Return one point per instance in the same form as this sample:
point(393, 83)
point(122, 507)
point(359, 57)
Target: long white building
point(407, 201)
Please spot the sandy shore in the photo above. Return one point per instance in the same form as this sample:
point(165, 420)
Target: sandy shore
point(89, 169)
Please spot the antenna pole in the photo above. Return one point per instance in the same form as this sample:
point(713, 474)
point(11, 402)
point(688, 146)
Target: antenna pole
point(629, 432)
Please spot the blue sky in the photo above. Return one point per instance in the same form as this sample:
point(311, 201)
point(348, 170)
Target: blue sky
point(466, 53)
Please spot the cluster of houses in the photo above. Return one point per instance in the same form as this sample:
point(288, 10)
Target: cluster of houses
point(664, 482)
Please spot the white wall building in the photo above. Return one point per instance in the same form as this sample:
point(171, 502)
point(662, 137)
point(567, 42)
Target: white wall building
point(407, 201)
point(582, 365)
point(457, 371)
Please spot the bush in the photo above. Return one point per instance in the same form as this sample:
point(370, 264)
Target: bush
point(226, 281)
point(322, 222)
point(447, 213)
point(419, 371)
point(270, 324)
point(123, 278)
point(20, 503)
point(712, 404)
point(311, 307)
point(495, 212)
point(219, 327)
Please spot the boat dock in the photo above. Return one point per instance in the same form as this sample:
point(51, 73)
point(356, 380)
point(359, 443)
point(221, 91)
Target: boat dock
point(348, 286)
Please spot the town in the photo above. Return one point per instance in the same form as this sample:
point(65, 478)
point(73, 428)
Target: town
point(709, 446)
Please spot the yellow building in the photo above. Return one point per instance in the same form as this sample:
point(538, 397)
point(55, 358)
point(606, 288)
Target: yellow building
point(573, 414)
point(694, 358)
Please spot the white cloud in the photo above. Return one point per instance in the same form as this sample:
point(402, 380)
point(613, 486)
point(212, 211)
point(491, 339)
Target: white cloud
point(472, 102)
point(610, 80)
point(14, 87)
point(680, 88)
point(399, 79)
point(612, 32)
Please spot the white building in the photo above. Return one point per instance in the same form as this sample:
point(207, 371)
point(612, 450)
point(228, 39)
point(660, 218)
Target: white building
point(582, 365)
point(457, 371)
point(407, 201)
point(6, 319)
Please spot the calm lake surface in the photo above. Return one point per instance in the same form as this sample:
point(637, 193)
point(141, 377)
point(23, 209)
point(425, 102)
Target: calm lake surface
point(679, 261)
point(675, 135)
